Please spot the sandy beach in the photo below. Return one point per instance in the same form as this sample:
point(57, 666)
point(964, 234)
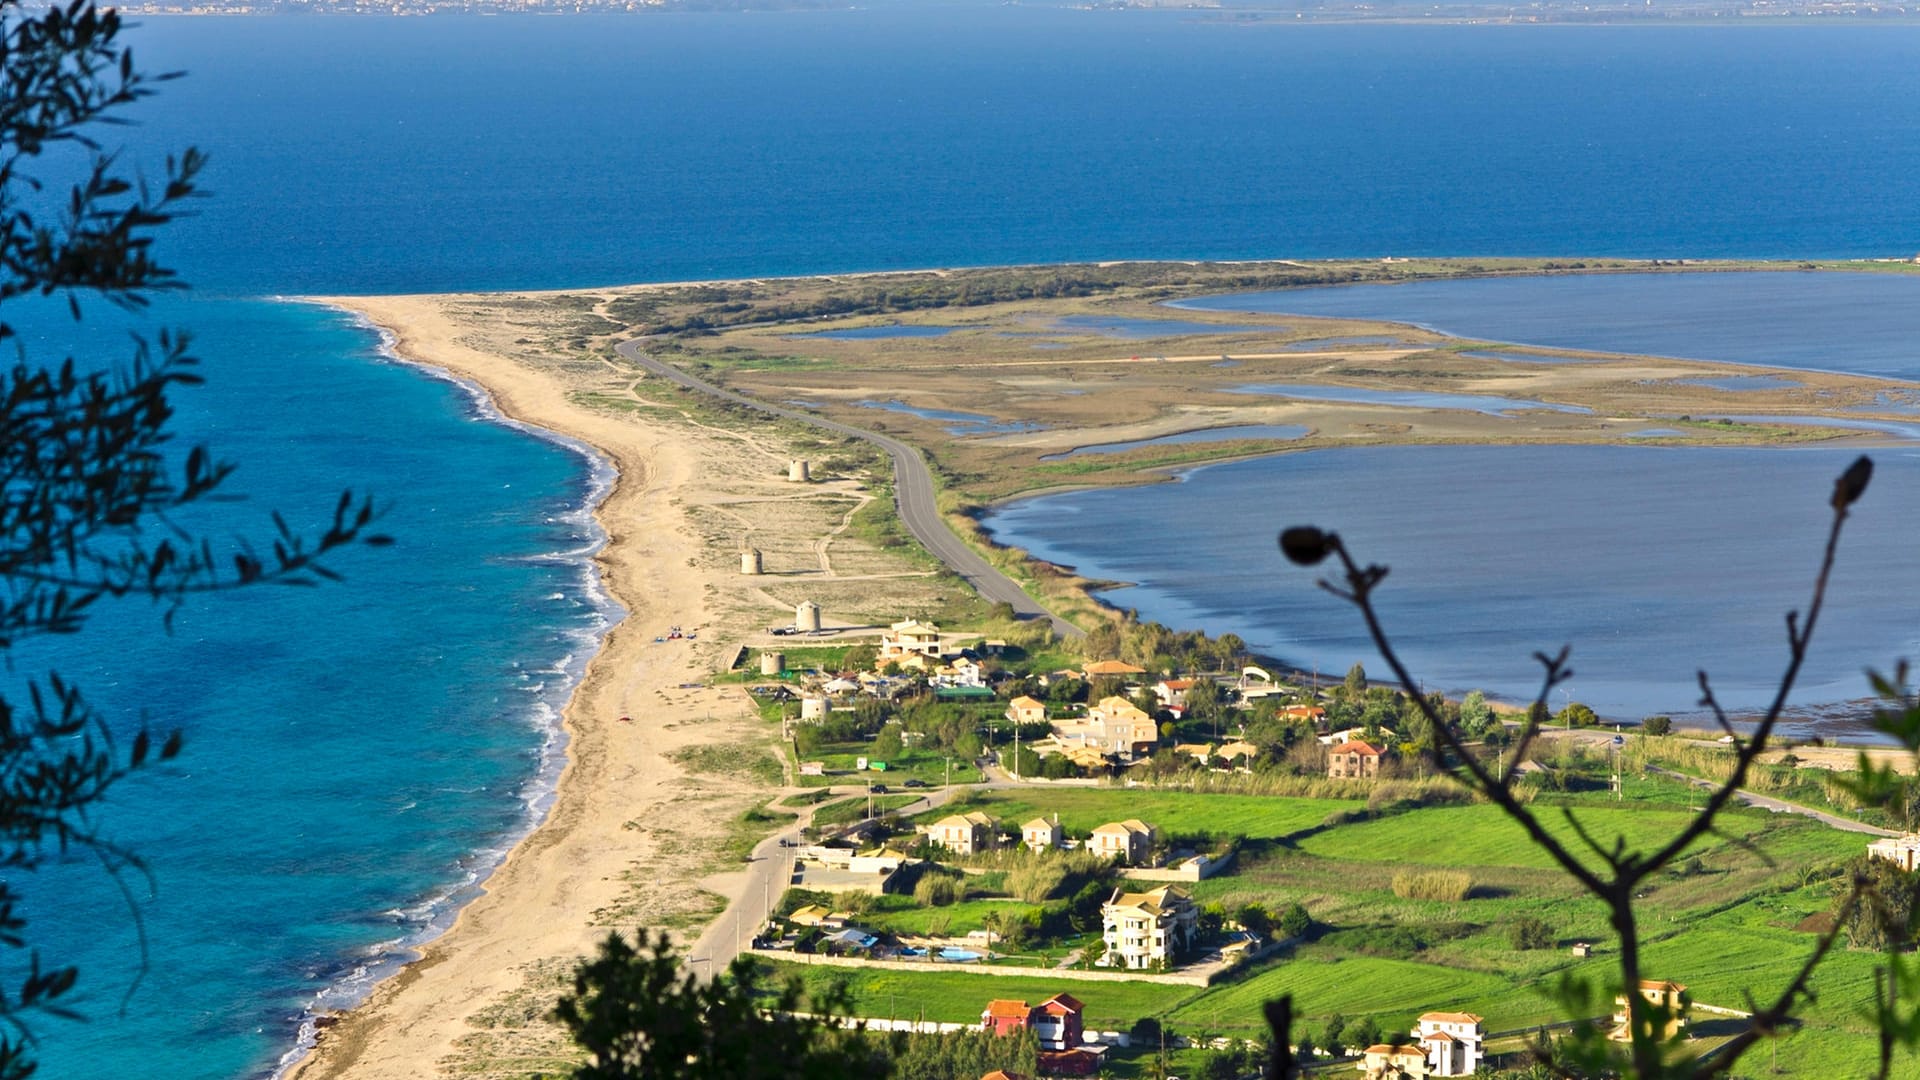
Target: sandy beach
point(638, 830)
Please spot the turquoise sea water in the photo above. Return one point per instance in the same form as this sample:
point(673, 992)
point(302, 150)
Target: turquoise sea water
point(357, 755)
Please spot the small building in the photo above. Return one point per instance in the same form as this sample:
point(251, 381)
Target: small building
point(1312, 714)
point(963, 834)
point(806, 616)
point(1382, 1061)
point(1199, 752)
point(1238, 752)
point(1112, 669)
point(1901, 851)
point(1026, 710)
point(1354, 759)
point(1582, 950)
point(818, 915)
point(1453, 1041)
point(1662, 995)
point(1002, 1074)
point(1040, 834)
point(1146, 929)
point(1077, 1061)
point(1128, 841)
point(798, 471)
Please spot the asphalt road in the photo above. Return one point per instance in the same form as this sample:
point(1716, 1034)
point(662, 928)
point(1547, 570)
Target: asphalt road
point(913, 491)
point(769, 872)
point(1781, 806)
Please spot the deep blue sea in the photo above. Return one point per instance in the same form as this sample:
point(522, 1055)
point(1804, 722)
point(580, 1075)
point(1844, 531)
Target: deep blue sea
point(357, 755)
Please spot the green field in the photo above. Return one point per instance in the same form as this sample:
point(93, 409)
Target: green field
point(928, 766)
point(1722, 921)
point(955, 998)
point(1082, 810)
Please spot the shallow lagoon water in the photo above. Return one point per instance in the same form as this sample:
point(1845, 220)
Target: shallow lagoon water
point(957, 423)
point(1123, 327)
point(1490, 404)
point(1650, 561)
point(1205, 435)
point(1741, 383)
point(871, 333)
point(1854, 322)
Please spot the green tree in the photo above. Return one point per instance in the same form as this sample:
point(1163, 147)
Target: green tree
point(886, 745)
point(1294, 921)
point(1475, 715)
point(87, 510)
point(1887, 921)
point(1577, 715)
point(1657, 725)
point(1255, 919)
point(1356, 683)
point(1335, 1031)
point(641, 1015)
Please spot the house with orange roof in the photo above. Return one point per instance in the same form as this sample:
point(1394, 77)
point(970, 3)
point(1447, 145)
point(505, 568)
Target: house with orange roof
point(1027, 710)
point(1172, 693)
point(1002, 1074)
point(1112, 669)
point(1057, 1022)
point(1003, 1016)
point(1453, 1042)
point(1354, 759)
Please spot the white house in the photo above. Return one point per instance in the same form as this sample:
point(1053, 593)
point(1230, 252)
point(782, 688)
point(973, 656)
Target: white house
point(1901, 851)
point(1453, 1042)
point(911, 638)
point(1144, 929)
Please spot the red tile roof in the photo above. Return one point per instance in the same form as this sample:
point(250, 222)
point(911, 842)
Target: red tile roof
point(1002, 1009)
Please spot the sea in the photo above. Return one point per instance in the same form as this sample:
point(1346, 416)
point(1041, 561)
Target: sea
point(359, 755)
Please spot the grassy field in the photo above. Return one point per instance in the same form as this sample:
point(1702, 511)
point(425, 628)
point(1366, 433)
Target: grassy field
point(927, 766)
point(955, 998)
point(1082, 810)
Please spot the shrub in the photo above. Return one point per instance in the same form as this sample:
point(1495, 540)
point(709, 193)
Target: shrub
point(1532, 933)
point(938, 889)
point(1657, 725)
point(1036, 881)
point(1294, 921)
point(1450, 885)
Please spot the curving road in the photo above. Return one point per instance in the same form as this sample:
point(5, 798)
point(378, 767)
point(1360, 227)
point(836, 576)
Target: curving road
point(913, 491)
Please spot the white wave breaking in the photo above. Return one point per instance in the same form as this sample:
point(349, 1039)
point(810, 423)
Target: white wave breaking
point(432, 915)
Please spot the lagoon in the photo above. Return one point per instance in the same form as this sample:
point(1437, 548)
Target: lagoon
point(1865, 323)
point(1204, 435)
point(1490, 404)
point(1650, 561)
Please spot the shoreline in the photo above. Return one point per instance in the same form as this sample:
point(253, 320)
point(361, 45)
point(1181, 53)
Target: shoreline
point(538, 901)
point(385, 961)
point(541, 900)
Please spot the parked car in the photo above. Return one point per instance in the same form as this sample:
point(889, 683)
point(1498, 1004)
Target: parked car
point(915, 783)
